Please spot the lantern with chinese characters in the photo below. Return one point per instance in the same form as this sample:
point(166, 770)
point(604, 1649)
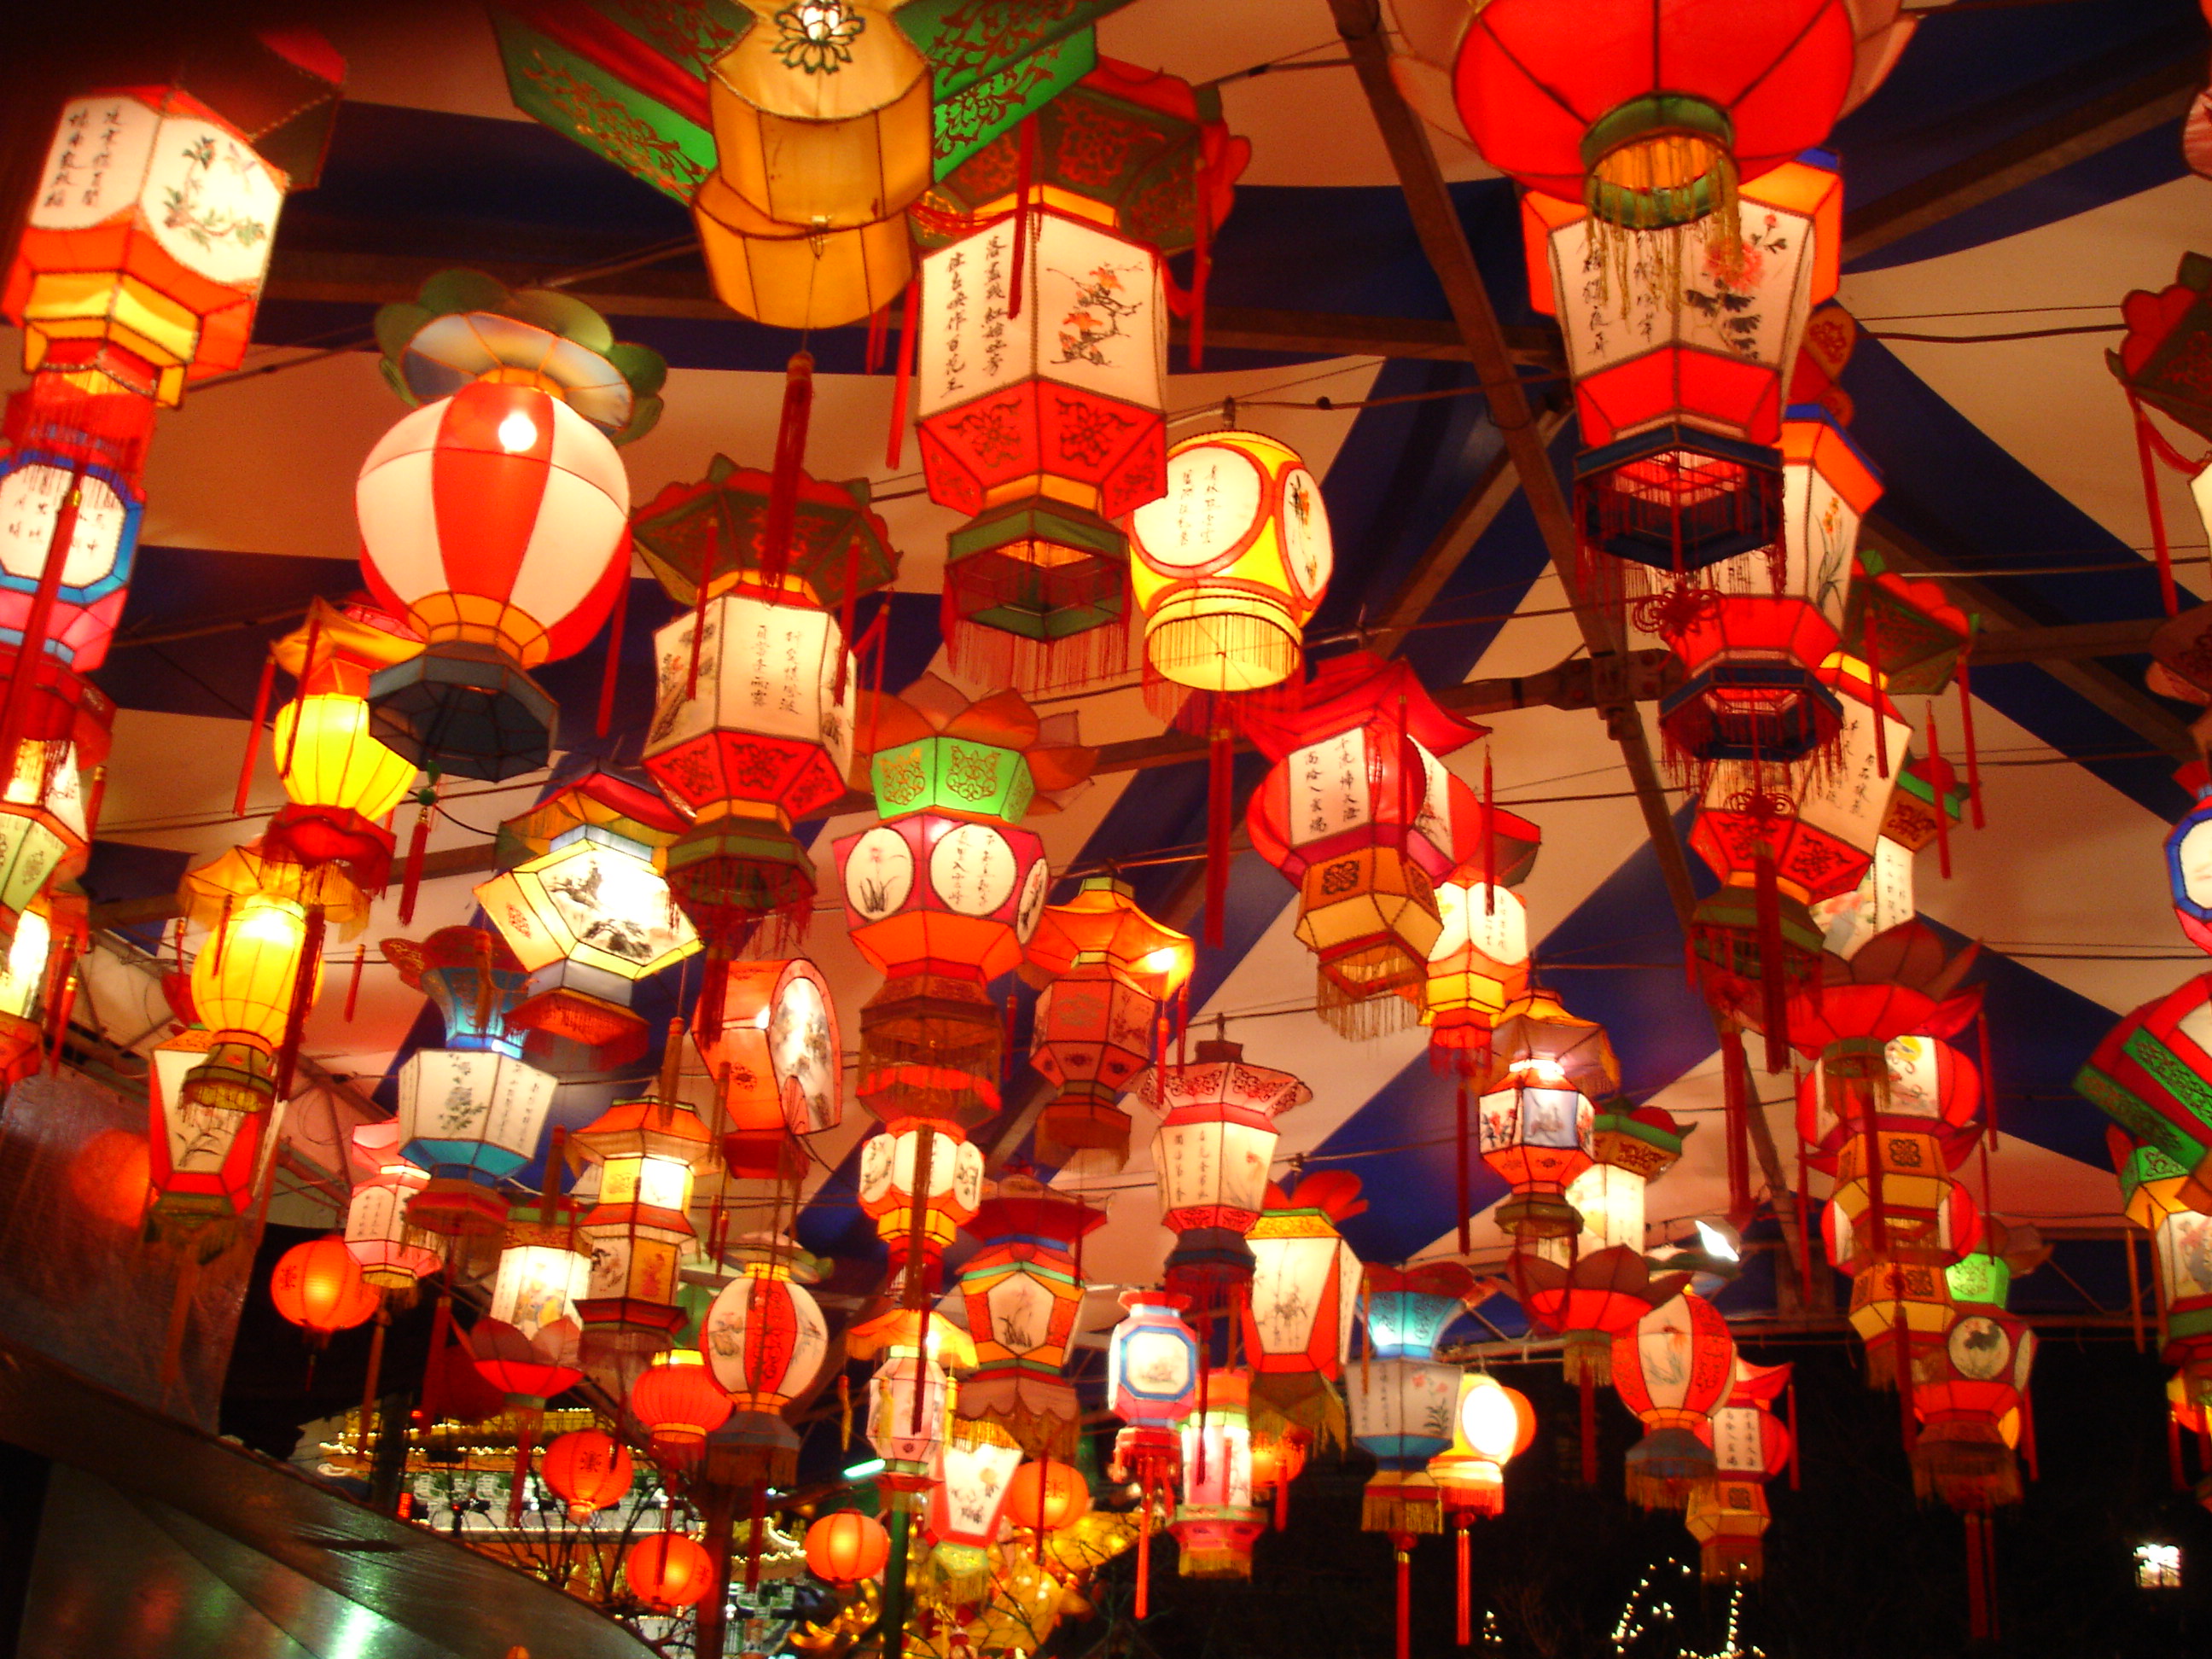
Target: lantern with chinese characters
point(1478, 965)
point(51, 796)
point(1228, 566)
point(1113, 969)
point(1671, 1371)
point(318, 1286)
point(1297, 1323)
point(649, 1153)
point(472, 1111)
point(1215, 1522)
point(1216, 1140)
point(1752, 634)
point(60, 439)
point(339, 778)
point(1492, 1426)
point(678, 1403)
point(2147, 1076)
point(394, 1252)
point(975, 1475)
point(758, 737)
point(148, 236)
point(589, 916)
point(944, 893)
point(1361, 814)
point(1546, 1068)
point(776, 1064)
point(495, 522)
point(919, 1186)
point(587, 1470)
point(1751, 1445)
point(765, 1341)
point(909, 1397)
point(1152, 1367)
point(838, 550)
point(1023, 1291)
point(1057, 397)
point(1970, 1392)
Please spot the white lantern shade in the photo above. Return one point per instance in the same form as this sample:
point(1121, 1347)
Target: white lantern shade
point(467, 1111)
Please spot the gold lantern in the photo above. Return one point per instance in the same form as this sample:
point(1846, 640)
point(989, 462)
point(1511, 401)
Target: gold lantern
point(649, 1152)
point(794, 275)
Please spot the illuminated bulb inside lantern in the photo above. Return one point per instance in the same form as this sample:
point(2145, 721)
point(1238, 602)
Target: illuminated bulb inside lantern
point(25, 962)
point(1488, 1420)
point(1541, 1070)
point(1160, 960)
point(518, 433)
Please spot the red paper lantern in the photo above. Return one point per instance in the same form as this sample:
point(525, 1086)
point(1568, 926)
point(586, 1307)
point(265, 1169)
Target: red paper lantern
point(846, 1547)
point(679, 1404)
point(1671, 1371)
point(668, 1571)
point(318, 1286)
point(1297, 1324)
point(1046, 1495)
point(589, 1470)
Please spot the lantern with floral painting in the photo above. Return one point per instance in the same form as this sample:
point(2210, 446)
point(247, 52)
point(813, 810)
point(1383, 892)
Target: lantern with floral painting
point(1927, 1087)
point(1672, 1370)
point(1358, 811)
point(1215, 1140)
point(1023, 1291)
point(1970, 1391)
point(338, 777)
point(648, 1152)
point(394, 1252)
point(1215, 1522)
point(1547, 1069)
point(60, 440)
point(1113, 970)
point(1751, 1445)
point(148, 236)
point(765, 1342)
point(909, 1413)
point(919, 1186)
point(944, 892)
point(494, 520)
point(1478, 965)
point(473, 1112)
point(975, 1469)
point(1296, 1322)
point(1492, 1425)
point(587, 915)
point(776, 1063)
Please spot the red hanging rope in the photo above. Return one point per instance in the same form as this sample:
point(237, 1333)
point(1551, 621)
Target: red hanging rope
point(1973, 754)
point(1489, 837)
point(418, 842)
point(903, 382)
point(1201, 268)
point(303, 997)
point(1459, 1170)
point(784, 475)
point(1988, 1078)
point(1774, 988)
point(879, 328)
point(353, 986)
point(1935, 784)
point(1464, 1628)
point(252, 736)
point(1736, 1113)
point(1018, 266)
point(307, 667)
point(614, 624)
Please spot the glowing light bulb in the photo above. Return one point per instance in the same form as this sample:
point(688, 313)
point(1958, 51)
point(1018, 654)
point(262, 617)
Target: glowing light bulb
point(518, 433)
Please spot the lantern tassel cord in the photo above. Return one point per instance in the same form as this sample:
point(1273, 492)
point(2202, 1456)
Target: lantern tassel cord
point(1460, 1171)
point(1935, 770)
point(784, 475)
point(418, 842)
point(2146, 444)
point(902, 381)
point(304, 975)
point(261, 696)
point(1464, 1627)
point(1018, 267)
point(1736, 1080)
point(353, 984)
point(15, 712)
point(1221, 782)
point(612, 672)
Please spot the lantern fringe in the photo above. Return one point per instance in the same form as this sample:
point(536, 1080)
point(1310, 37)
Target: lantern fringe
point(1390, 1504)
point(1198, 1561)
point(1587, 1356)
point(1965, 1466)
point(193, 1233)
point(1039, 1434)
point(1186, 707)
point(1379, 1008)
point(1666, 1468)
point(1732, 1558)
point(1283, 1402)
point(984, 654)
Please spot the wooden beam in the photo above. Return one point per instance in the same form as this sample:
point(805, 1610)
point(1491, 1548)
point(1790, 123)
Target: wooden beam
point(2065, 640)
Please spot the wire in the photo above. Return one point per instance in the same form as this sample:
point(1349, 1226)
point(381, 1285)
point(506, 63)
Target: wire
point(1988, 339)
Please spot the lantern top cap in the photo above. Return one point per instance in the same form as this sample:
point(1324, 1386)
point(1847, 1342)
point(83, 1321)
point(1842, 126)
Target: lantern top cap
point(1173, 1301)
point(648, 1127)
point(1333, 1193)
point(357, 630)
point(1018, 1203)
point(602, 797)
point(450, 948)
point(1356, 689)
point(218, 892)
point(840, 548)
point(1451, 1279)
point(1059, 765)
point(912, 1331)
point(1102, 923)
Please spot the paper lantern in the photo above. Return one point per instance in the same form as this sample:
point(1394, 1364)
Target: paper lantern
point(921, 1187)
point(1403, 1398)
point(838, 552)
point(1215, 1140)
point(148, 236)
point(245, 980)
point(1545, 1068)
point(1652, 115)
point(846, 1547)
point(25, 968)
point(1671, 1371)
point(1113, 969)
point(1478, 965)
point(1492, 1426)
point(909, 1397)
point(1969, 1392)
point(797, 276)
point(526, 1344)
point(52, 785)
point(2156, 1193)
point(2146, 1076)
point(1152, 1367)
point(761, 739)
point(765, 1341)
point(318, 1286)
point(1750, 1445)
point(1216, 1524)
point(777, 1062)
point(1023, 1291)
point(667, 1572)
point(394, 1253)
point(679, 1404)
point(207, 1149)
point(1045, 1494)
point(1922, 1085)
point(649, 1153)
point(495, 521)
point(589, 1470)
point(60, 437)
point(1062, 400)
point(974, 1471)
point(1228, 566)
point(1297, 1323)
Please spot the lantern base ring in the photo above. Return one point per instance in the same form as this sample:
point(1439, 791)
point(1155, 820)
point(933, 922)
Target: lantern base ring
point(1538, 1215)
point(467, 707)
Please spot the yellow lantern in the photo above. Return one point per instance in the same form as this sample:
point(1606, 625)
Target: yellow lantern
point(649, 1152)
point(821, 113)
point(244, 982)
point(795, 275)
point(1229, 564)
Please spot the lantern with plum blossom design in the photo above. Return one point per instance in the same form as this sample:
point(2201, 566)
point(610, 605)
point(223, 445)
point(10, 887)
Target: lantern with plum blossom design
point(1215, 1140)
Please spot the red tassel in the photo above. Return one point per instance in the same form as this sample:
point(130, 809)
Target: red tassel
point(411, 881)
point(1145, 1555)
point(1459, 1169)
point(903, 382)
point(1936, 778)
point(1774, 991)
point(1405, 1596)
point(2144, 439)
point(1018, 266)
point(1221, 786)
point(783, 478)
point(353, 985)
point(615, 644)
point(1589, 1427)
point(1988, 1078)
point(879, 328)
point(1803, 1206)
point(24, 681)
point(1464, 1630)
point(1871, 644)
point(1489, 837)
point(1736, 1112)
point(303, 997)
point(253, 736)
point(1973, 755)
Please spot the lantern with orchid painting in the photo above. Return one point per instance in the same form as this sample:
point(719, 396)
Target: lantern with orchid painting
point(1215, 1140)
point(910, 1412)
point(61, 441)
point(1478, 965)
point(338, 777)
point(588, 916)
point(1113, 970)
point(1360, 812)
point(776, 1064)
point(1023, 1291)
point(765, 1341)
point(1215, 1522)
point(1296, 1322)
point(148, 236)
point(472, 1111)
point(1671, 1371)
point(206, 1157)
point(1751, 1445)
point(1547, 1069)
point(394, 1252)
point(649, 1152)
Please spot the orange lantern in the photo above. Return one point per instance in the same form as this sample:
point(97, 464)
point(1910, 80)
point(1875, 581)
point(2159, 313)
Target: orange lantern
point(1046, 1495)
point(846, 1547)
point(680, 1404)
point(649, 1153)
point(1296, 1324)
point(318, 1286)
point(1547, 1070)
point(777, 1063)
point(1023, 1291)
point(589, 1470)
point(668, 1571)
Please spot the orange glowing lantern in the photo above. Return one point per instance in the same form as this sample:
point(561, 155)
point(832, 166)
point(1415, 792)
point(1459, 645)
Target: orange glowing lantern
point(318, 1286)
point(589, 1470)
point(846, 1547)
point(668, 1571)
point(777, 1064)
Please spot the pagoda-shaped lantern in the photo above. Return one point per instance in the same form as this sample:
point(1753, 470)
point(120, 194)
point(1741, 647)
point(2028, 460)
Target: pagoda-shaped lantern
point(1751, 1445)
point(1547, 1070)
point(1023, 1291)
point(1212, 1153)
point(394, 1253)
point(1297, 1321)
point(1215, 1522)
point(1479, 966)
point(909, 1415)
point(50, 791)
point(1970, 1392)
point(1153, 1365)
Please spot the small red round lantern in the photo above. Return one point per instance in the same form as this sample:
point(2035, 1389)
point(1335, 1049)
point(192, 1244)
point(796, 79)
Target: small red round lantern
point(589, 1470)
point(1046, 1495)
point(668, 1570)
point(318, 1287)
point(680, 1404)
point(846, 1547)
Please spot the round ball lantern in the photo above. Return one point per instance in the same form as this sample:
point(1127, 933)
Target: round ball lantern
point(318, 1286)
point(496, 522)
point(678, 1401)
point(668, 1571)
point(1672, 1370)
point(847, 1547)
point(589, 1470)
point(1046, 1495)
